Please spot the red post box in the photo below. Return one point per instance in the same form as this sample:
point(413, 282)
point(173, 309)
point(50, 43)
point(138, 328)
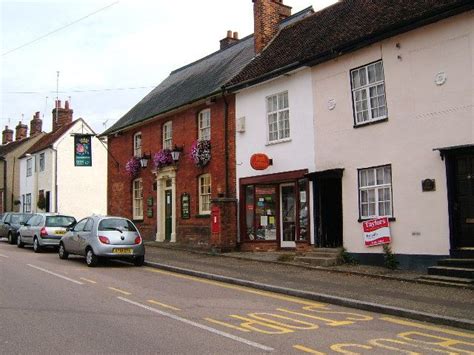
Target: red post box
point(215, 219)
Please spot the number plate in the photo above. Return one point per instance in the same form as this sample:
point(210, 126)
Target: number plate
point(122, 251)
point(60, 232)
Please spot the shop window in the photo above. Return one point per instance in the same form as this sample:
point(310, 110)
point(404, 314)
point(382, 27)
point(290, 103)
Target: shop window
point(304, 210)
point(137, 199)
point(261, 204)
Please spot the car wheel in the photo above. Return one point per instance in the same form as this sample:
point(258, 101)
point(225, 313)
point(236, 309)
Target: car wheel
point(11, 240)
point(19, 243)
point(139, 260)
point(36, 246)
point(63, 254)
point(91, 258)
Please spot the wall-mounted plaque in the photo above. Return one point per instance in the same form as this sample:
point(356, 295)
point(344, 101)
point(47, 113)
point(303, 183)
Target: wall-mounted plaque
point(185, 205)
point(428, 185)
point(149, 201)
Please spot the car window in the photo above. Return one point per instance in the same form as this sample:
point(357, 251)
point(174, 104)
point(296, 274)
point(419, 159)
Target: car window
point(60, 221)
point(80, 226)
point(7, 218)
point(39, 220)
point(25, 217)
point(88, 226)
point(32, 220)
point(120, 224)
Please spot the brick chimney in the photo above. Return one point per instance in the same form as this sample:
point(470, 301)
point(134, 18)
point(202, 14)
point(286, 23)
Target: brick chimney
point(36, 124)
point(230, 39)
point(21, 131)
point(61, 116)
point(267, 15)
point(7, 135)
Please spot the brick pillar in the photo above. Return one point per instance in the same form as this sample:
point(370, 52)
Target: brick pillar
point(7, 135)
point(21, 131)
point(61, 116)
point(224, 238)
point(36, 124)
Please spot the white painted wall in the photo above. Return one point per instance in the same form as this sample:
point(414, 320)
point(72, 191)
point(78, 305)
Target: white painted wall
point(422, 116)
point(81, 190)
point(295, 154)
point(27, 183)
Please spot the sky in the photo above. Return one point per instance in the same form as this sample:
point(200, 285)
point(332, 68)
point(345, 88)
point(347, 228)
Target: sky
point(109, 54)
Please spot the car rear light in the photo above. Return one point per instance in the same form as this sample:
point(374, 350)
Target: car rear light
point(43, 232)
point(138, 240)
point(104, 240)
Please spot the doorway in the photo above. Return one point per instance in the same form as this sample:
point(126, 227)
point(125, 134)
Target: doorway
point(168, 215)
point(288, 216)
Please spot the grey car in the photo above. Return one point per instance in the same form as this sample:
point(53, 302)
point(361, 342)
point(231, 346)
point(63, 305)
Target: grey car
point(10, 223)
point(44, 230)
point(97, 237)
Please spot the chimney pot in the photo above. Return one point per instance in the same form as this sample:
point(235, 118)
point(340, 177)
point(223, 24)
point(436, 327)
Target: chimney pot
point(61, 116)
point(21, 131)
point(36, 124)
point(229, 34)
point(7, 135)
point(236, 35)
point(232, 37)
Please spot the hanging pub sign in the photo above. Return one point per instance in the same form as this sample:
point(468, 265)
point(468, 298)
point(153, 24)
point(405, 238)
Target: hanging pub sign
point(260, 161)
point(377, 232)
point(82, 150)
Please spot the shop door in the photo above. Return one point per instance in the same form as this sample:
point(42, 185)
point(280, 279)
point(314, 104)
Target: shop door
point(464, 201)
point(168, 215)
point(288, 216)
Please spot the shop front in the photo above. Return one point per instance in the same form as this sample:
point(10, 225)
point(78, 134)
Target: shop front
point(275, 211)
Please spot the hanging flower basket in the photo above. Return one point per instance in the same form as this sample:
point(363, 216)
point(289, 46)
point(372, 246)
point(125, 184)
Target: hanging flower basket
point(201, 153)
point(133, 167)
point(162, 158)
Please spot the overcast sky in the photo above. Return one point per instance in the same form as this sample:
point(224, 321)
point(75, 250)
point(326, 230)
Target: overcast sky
point(109, 54)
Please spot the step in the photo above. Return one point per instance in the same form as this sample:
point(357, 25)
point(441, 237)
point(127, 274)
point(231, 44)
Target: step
point(466, 253)
point(457, 262)
point(451, 272)
point(457, 281)
point(317, 261)
point(320, 254)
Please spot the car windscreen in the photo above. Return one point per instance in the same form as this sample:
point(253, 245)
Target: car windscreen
point(60, 221)
point(19, 218)
point(113, 224)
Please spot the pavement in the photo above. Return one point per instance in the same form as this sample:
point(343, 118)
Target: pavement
point(370, 288)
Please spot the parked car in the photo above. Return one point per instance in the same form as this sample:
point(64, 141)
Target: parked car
point(11, 223)
point(98, 237)
point(44, 230)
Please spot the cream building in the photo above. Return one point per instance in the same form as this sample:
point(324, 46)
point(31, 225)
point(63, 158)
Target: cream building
point(66, 169)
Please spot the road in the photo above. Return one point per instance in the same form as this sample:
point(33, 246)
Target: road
point(50, 306)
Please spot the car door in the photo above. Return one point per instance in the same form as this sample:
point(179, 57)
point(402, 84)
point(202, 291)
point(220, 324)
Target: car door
point(71, 243)
point(85, 235)
point(26, 230)
point(4, 225)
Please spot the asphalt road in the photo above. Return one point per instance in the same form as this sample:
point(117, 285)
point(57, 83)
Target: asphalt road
point(50, 306)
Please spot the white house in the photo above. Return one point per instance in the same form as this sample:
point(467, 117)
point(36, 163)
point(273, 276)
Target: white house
point(66, 170)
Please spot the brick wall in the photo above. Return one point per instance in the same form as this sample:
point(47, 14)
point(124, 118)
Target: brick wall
point(194, 231)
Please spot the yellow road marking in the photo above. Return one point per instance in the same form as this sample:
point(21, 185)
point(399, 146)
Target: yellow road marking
point(307, 350)
point(163, 305)
point(240, 288)
point(227, 325)
point(427, 327)
point(120, 291)
point(91, 281)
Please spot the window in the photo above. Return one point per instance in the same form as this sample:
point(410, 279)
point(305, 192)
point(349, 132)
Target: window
point(79, 227)
point(137, 145)
point(27, 204)
point(89, 225)
point(204, 125)
point(278, 117)
point(368, 93)
point(29, 167)
point(205, 194)
point(375, 192)
point(168, 135)
point(137, 199)
point(41, 162)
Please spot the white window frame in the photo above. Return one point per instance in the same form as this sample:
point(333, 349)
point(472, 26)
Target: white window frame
point(369, 99)
point(204, 125)
point(29, 167)
point(278, 117)
point(137, 144)
point(41, 162)
point(204, 194)
point(27, 205)
point(375, 192)
point(168, 135)
point(137, 191)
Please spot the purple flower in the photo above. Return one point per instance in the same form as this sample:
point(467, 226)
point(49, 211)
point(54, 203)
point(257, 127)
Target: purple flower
point(201, 153)
point(162, 158)
point(133, 167)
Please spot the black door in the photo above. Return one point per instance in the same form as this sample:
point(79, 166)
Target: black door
point(168, 215)
point(463, 207)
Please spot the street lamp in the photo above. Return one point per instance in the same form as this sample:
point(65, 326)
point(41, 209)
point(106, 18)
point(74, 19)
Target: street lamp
point(176, 152)
point(144, 160)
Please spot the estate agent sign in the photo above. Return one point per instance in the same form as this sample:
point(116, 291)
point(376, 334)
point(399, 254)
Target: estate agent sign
point(377, 232)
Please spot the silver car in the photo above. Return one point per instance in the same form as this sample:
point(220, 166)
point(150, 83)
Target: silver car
point(98, 237)
point(44, 230)
point(10, 223)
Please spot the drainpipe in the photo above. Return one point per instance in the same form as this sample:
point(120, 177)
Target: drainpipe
point(55, 179)
point(13, 183)
point(4, 202)
point(226, 148)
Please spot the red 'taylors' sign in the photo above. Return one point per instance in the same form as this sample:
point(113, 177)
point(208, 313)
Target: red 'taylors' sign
point(260, 161)
point(376, 232)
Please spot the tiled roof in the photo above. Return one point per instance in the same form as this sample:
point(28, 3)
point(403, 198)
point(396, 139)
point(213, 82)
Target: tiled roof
point(190, 83)
point(7, 148)
point(341, 28)
point(50, 138)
